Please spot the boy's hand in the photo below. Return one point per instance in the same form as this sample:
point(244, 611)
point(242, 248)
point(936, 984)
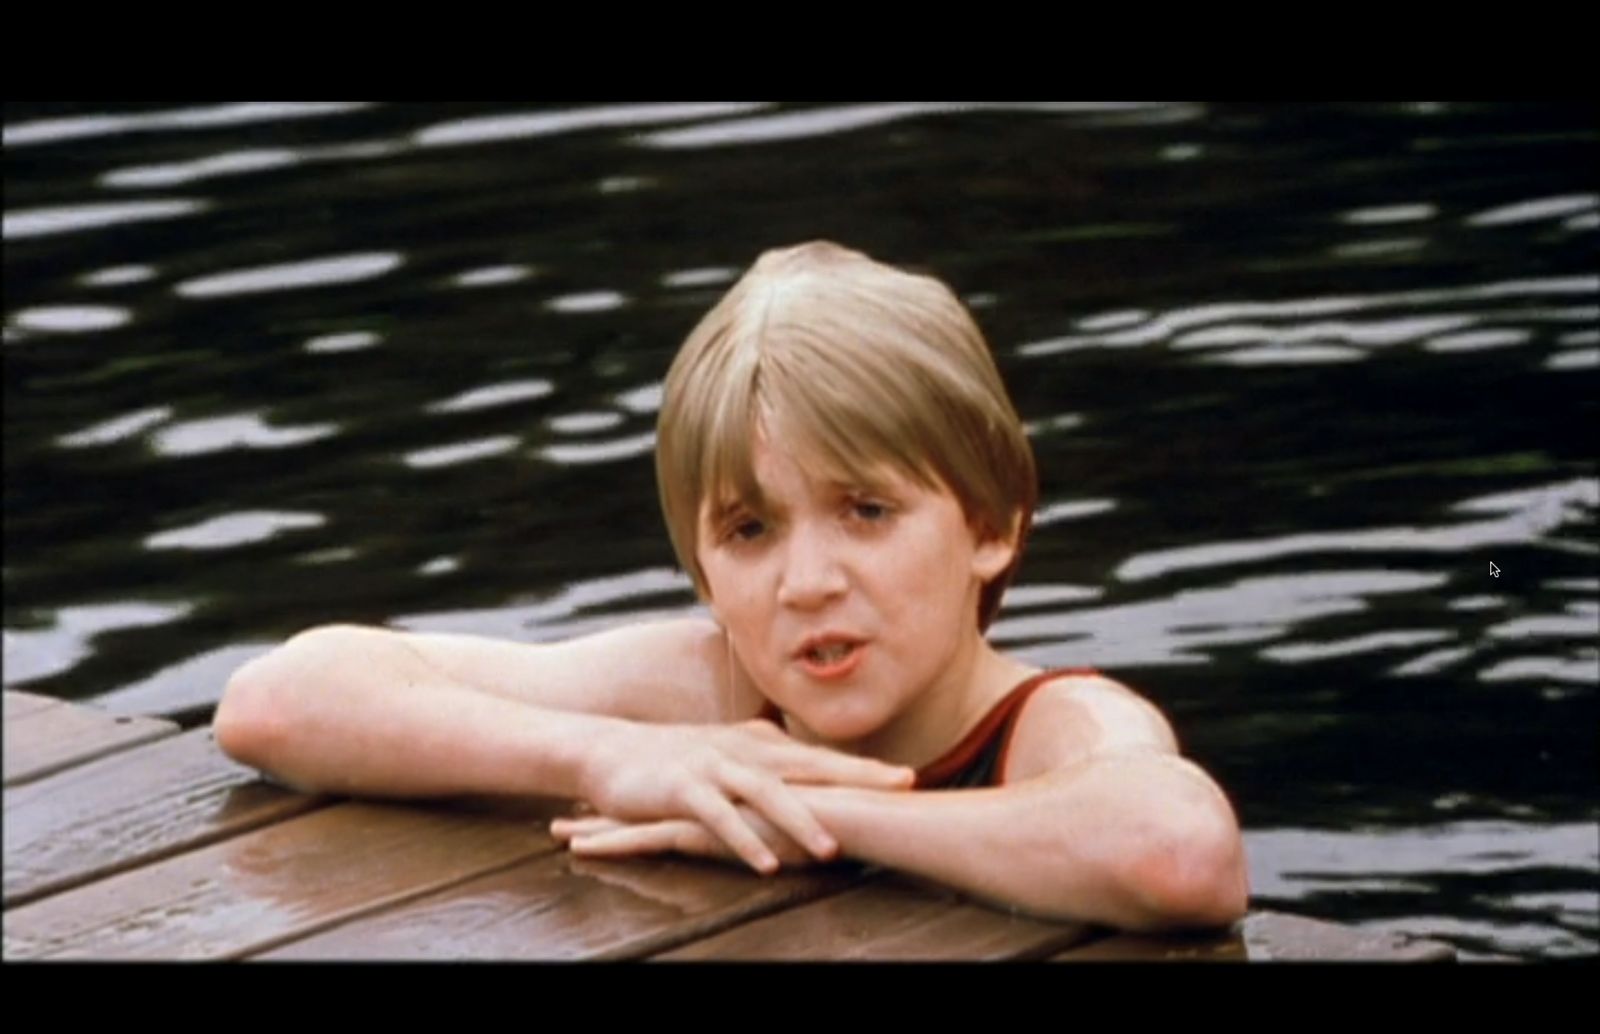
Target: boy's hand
point(595, 836)
point(645, 774)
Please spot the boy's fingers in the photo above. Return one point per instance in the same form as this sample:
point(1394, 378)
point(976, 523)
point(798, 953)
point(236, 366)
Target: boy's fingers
point(820, 765)
point(722, 818)
point(589, 825)
point(650, 838)
point(779, 805)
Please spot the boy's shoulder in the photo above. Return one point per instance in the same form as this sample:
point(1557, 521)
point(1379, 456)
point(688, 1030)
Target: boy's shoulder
point(1075, 718)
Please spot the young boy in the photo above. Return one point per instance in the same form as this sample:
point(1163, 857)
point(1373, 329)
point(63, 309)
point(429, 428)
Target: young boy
point(849, 486)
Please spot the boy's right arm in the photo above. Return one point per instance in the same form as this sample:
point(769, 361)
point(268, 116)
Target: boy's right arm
point(634, 720)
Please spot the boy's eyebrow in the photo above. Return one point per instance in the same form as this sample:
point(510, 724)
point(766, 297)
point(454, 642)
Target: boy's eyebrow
point(730, 506)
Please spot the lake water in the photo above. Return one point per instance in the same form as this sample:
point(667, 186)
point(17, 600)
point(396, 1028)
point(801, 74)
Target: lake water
point(1297, 377)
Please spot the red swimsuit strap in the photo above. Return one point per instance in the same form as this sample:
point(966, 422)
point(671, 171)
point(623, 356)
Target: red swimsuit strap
point(1002, 714)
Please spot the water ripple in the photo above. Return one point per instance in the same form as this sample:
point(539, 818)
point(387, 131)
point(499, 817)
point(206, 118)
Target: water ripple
point(1286, 355)
point(39, 653)
point(814, 122)
point(493, 128)
point(561, 616)
point(704, 276)
point(587, 301)
point(1055, 513)
point(1298, 653)
point(241, 431)
point(645, 399)
point(1177, 629)
point(117, 276)
point(1476, 340)
point(194, 682)
point(1577, 359)
point(493, 395)
point(492, 276)
point(1433, 662)
point(1386, 214)
point(116, 429)
point(45, 222)
point(585, 423)
point(350, 341)
point(1583, 669)
point(173, 174)
point(1292, 863)
point(1530, 211)
point(341, 269)
point(1528, 516)
point(1372, 333)
point(580, 454)
point(234, 529)
point(79, 127)
point(71, 319)
point(1236, 324)
point(461, 452)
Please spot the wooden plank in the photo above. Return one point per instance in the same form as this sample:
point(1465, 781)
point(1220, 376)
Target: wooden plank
point(888, 919)
point(283, 882)
point(1208, 946)
point(50, 739)
point(19, 703)
point(560, 907)
point(131, 808)
point(1274, 936)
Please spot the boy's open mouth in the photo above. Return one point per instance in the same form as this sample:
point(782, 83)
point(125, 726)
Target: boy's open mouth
point(829, 656)
point(830, 653)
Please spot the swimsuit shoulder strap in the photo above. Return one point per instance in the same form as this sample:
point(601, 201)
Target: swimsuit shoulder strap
point(980, 758)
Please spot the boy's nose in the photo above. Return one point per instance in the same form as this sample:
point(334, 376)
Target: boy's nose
point(811, 572)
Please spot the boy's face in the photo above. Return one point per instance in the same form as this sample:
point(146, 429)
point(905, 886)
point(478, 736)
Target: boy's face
point(846, 603)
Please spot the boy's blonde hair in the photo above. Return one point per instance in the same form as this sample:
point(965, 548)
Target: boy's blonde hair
point(852, 364)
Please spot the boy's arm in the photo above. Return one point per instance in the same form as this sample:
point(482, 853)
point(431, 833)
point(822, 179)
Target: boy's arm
point(1100, 821)
point(1137, 841)
point(631, 720)
point(373, 711)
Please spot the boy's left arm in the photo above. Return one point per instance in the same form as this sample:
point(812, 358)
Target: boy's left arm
point(1099, 820)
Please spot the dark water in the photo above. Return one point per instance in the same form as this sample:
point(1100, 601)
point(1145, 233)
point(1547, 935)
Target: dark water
point(1297, 376)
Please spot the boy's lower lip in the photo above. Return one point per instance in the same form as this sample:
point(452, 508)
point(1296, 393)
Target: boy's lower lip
point(841, 668)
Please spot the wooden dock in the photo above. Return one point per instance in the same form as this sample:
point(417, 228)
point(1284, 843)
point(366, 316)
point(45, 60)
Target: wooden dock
point(128, 838)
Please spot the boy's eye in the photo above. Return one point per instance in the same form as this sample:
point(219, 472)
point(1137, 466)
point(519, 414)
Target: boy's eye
point(868, 510)
point(746, 530)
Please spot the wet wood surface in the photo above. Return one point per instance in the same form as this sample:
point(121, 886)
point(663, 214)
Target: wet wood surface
point(887, 919)
point(559, 907)
point(42, 740)
point(271, 885)
point(131, 808)
point(127, 840)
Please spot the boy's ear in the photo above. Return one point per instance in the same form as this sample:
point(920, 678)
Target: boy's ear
point(995, 552)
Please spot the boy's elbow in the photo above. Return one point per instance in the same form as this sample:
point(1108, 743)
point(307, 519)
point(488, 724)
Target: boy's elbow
point(255, 716)
point(247, 724)
point(1193, 877)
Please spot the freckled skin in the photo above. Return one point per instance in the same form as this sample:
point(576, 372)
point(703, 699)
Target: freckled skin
point(897, 566)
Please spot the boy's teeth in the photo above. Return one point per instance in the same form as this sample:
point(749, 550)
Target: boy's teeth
point(831, 652)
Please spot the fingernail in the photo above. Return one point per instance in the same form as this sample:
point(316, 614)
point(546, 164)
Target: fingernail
point(825, 847)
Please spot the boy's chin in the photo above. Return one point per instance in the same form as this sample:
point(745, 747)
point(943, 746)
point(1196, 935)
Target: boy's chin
point(841, 727)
